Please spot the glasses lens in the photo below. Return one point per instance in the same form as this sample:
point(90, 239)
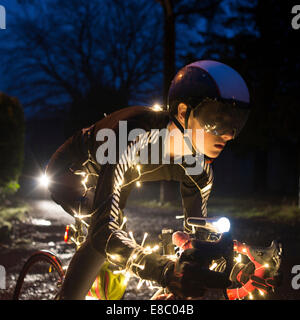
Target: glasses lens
point(221, 118)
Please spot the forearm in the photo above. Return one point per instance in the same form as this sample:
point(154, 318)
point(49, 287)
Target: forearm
point(122, 251)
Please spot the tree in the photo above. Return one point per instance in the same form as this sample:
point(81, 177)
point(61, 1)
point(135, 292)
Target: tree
point(260, 51)
point(92, 56)
point(178, 11)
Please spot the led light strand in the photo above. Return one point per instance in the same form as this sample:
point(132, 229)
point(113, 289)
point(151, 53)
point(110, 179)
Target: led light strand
point(134, 261)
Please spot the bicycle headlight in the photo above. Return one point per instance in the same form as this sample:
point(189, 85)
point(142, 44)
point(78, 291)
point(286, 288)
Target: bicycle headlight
point(222, 225)
point(44, 181)
point(218, 225)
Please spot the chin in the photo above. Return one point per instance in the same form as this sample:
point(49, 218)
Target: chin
point(213, 155)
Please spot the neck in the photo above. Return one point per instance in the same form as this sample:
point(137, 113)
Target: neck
point(176, 145)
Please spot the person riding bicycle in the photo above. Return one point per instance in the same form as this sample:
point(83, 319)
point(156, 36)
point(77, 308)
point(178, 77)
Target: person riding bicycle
point(205, 95)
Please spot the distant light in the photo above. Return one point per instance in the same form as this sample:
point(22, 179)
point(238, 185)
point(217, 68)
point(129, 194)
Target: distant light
point(138, 184)
point(157, 107)
point(44, 181)
point(41, 222)
point(222, 225)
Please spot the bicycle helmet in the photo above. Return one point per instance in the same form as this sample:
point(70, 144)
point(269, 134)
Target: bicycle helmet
point(216, 93)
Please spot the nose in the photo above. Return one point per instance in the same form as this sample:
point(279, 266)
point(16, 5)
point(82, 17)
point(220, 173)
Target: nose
point(228, 136)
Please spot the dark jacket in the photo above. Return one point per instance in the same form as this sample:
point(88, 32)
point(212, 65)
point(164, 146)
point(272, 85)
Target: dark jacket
point(108, 197)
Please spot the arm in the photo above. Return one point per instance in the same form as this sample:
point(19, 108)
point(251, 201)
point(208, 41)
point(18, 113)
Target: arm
point(106, 234)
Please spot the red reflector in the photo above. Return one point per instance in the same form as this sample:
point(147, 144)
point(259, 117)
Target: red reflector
point(66, 236)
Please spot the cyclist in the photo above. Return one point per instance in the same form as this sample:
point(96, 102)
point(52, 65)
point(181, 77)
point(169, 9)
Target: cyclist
point(206, 95)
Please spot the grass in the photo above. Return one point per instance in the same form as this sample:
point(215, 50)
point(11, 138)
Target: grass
point(154, 204)
point(236, 208)
point(8, 215)
point(254, 208)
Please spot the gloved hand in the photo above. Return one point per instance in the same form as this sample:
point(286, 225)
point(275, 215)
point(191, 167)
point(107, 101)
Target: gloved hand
point(190, 275)
point(242, 273)
point(267, 284)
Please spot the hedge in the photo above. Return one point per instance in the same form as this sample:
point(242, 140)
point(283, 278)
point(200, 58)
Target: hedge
point(12, 132)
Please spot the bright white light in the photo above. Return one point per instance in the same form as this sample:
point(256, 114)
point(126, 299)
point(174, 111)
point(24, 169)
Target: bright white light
point(238, 259)
point(44, 181)
point(213, 266)
point(222, 225)
point(157, 107)
point(90, 298)
point(41, 222)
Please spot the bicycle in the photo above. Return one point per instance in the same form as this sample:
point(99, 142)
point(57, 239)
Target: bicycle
point(47, 271)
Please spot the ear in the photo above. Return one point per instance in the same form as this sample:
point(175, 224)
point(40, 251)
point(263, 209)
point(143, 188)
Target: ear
point(181, 112)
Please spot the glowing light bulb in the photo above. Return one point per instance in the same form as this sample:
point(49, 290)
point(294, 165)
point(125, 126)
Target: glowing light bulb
point(238, 258)
point(131, 236)
point(123, 223)
point(261, 293)
point(140, 284)
point(138, 184)
point(127, 277)
point(157, 107)
point(44, 181)
point(155, 248)
point(213, 266)
point(145, 236)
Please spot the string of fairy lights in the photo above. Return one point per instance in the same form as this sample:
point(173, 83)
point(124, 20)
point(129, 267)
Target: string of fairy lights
point(238, 259)
point(136, 257)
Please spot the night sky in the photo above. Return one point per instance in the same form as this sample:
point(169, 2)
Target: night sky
point(184, 34)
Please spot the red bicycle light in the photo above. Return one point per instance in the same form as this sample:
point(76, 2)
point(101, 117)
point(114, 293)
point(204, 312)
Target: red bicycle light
point(66, 236)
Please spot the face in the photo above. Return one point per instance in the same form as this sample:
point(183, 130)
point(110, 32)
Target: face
point(212, 145)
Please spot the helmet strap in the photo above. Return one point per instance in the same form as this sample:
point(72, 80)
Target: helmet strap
point(186, 138)
point(177, 123)
point(180, 127)
point(187, 115)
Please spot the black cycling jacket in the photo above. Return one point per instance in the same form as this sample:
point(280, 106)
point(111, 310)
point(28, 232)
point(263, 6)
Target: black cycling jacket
point(110, 196)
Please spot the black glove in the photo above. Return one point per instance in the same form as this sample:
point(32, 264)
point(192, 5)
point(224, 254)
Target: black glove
point(190, 275)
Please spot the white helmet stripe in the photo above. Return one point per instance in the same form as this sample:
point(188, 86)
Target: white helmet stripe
point(230, 84)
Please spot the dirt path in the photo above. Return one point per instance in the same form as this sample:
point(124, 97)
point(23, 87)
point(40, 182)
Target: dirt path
point(44, 229)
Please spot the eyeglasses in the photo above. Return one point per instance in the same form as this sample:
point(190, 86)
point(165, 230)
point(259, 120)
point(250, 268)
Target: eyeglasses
point(220, 117)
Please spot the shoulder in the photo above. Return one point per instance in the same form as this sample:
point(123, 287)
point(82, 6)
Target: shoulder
point(142, 117)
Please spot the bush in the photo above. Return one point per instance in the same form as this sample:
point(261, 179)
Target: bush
point(12, 129)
